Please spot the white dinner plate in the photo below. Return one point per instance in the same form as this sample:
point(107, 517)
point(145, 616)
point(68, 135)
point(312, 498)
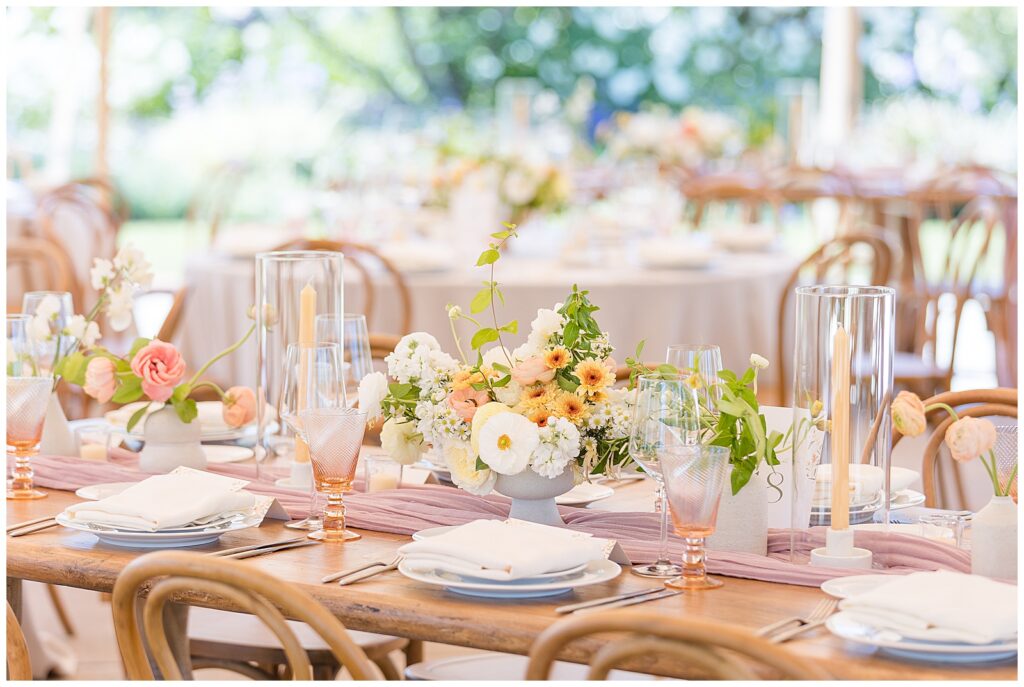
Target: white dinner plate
point(843, 625)
point(226, 453)
point(851, 585)
point(211, 425)
point(584, 493)
point(95, 492)
point(943, 535)
point(195, 536)
point(595, 572)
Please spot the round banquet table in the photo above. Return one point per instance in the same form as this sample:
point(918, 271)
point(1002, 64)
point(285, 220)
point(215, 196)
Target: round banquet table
point(733, 302)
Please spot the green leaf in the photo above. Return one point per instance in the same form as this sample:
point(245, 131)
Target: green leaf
point(570, 334)
point(498, 293)
point(181, 393)
point(741, 473)
point(484, 336)
point(137, 345)
point(502, 382)
point(498, 367)
point(509, 225)
point(567, 384)
point(501, 235)
point(399, 390)
point(186, 409)
point(136, 416)
point(481, 300)
point(512, 327)
point(488, 257)
point(72, 368)
point(128, 391)
point(666, 369)
point(481, 465)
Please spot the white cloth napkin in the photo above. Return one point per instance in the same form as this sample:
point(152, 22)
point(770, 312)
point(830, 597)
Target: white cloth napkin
point(506, 550)
point(940, 606)
point(162, 502)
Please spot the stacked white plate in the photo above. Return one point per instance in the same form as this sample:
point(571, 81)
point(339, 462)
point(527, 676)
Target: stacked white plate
point(547, 584)
point(904, 645)
point(211, 422)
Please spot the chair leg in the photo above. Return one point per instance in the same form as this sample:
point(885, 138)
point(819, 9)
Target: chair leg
point(62, 613)
point(387, 666)
point(413, 652)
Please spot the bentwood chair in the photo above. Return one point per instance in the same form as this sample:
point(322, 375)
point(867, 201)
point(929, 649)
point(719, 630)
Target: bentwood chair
point(801, 187)
point(170, 575)
point(745, 191)
point(38, 264)
point(1000, 402)
point(361, 257)
point(715, 650)
point(860, 257)
point(18, 665)
point(928, 367)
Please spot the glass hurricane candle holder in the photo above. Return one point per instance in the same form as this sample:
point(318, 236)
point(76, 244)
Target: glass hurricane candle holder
point(335, 436)
point(694, 477)
point(843, 388)
point(285, 313)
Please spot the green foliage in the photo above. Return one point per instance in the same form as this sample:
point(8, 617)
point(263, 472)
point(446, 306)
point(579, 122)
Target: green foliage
point(136, 416)
point(741, 428)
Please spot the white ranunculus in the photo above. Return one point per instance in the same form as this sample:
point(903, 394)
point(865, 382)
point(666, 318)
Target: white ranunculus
point(410, 342)
point(462, 466)
point(101, 273)
point(372, 391)
point(509, 394)
point(545, 325)
point(507, 443)
point(119, 309)
point(401, 441)
point(86, 332)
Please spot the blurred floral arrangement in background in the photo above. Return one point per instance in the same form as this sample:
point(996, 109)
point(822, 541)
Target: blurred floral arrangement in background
point(690, 138)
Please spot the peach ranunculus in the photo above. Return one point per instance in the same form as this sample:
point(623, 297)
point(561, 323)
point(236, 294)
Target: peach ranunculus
point(466, 400)
point(100, 379)
point(161, 367)
point(969, 438)
point(908, 414)
point(239, 407)
point(531, 371)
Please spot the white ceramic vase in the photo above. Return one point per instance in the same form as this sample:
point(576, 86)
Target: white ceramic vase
point(994, 539)
point(57, 439)
point(742, 523)
point(533, 495)
point(170, 443)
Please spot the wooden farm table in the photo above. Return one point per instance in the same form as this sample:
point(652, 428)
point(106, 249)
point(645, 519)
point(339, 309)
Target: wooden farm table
point(391, 604)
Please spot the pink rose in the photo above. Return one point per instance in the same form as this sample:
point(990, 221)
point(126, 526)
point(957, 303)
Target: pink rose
point(160, 367)
point(531, 371)
point(970, 437)
point(466, 401)
point(100, 379)
point(239, 406)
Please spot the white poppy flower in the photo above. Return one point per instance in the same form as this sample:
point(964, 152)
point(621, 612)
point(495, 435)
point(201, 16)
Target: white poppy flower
point(372, 391)
point(401, 441)
point(507, 443)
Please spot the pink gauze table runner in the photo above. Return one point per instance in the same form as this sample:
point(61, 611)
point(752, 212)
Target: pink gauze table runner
point(413, 508)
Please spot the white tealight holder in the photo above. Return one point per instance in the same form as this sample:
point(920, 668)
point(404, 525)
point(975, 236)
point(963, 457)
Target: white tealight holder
point(839, 552)
point(301, 475)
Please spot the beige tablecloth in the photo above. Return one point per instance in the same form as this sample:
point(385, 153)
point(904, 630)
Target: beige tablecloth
point(732, 303)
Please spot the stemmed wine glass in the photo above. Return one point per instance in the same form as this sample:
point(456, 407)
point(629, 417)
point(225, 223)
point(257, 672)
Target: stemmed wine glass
point(694, 477)
point(703, 360)
point(312, 379)
point(29, 382)
point(59, 344)
point(335, 436)
point(664, 417)
point(350, 333)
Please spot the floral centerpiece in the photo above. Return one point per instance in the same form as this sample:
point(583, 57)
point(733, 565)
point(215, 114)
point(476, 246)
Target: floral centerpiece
point(530, 182)
point(689, 139)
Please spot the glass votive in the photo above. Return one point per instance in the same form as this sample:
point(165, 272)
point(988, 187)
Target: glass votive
point(943, 525)
point(94, 442)
point(381, 473)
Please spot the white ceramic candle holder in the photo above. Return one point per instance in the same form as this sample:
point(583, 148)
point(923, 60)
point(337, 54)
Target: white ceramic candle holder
point(839, 552)
point(301, 475)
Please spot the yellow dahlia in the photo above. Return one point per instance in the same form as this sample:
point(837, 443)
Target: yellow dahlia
point(557, 358)
point(537, 395)
point(571, 407)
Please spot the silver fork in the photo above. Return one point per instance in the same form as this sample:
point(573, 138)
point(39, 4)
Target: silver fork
point(817, 615)
point(351, 571)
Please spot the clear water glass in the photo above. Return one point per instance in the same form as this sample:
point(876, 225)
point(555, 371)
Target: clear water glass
point(351, 334)
point(58, 342)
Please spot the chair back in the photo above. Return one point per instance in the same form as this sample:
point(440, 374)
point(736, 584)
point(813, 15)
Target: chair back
point(715, 649)
point(713, 190)
point(81, 217)
point(863, 256)
point(968, 242)
point(37, 264)
point(1000, 402)
point(19, 666)
point(171, 575)
point(361, 257)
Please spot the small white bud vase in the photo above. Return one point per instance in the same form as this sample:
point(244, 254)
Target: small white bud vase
point(57, 439)
point(742, 523)
point(533, 495)
point(170, 443)
point(994, 539)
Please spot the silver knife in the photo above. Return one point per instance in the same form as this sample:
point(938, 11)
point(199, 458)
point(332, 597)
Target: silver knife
point(365, 574)
point(270, 549)
point(635, 600)
point(262, 545)
point(606, 600)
